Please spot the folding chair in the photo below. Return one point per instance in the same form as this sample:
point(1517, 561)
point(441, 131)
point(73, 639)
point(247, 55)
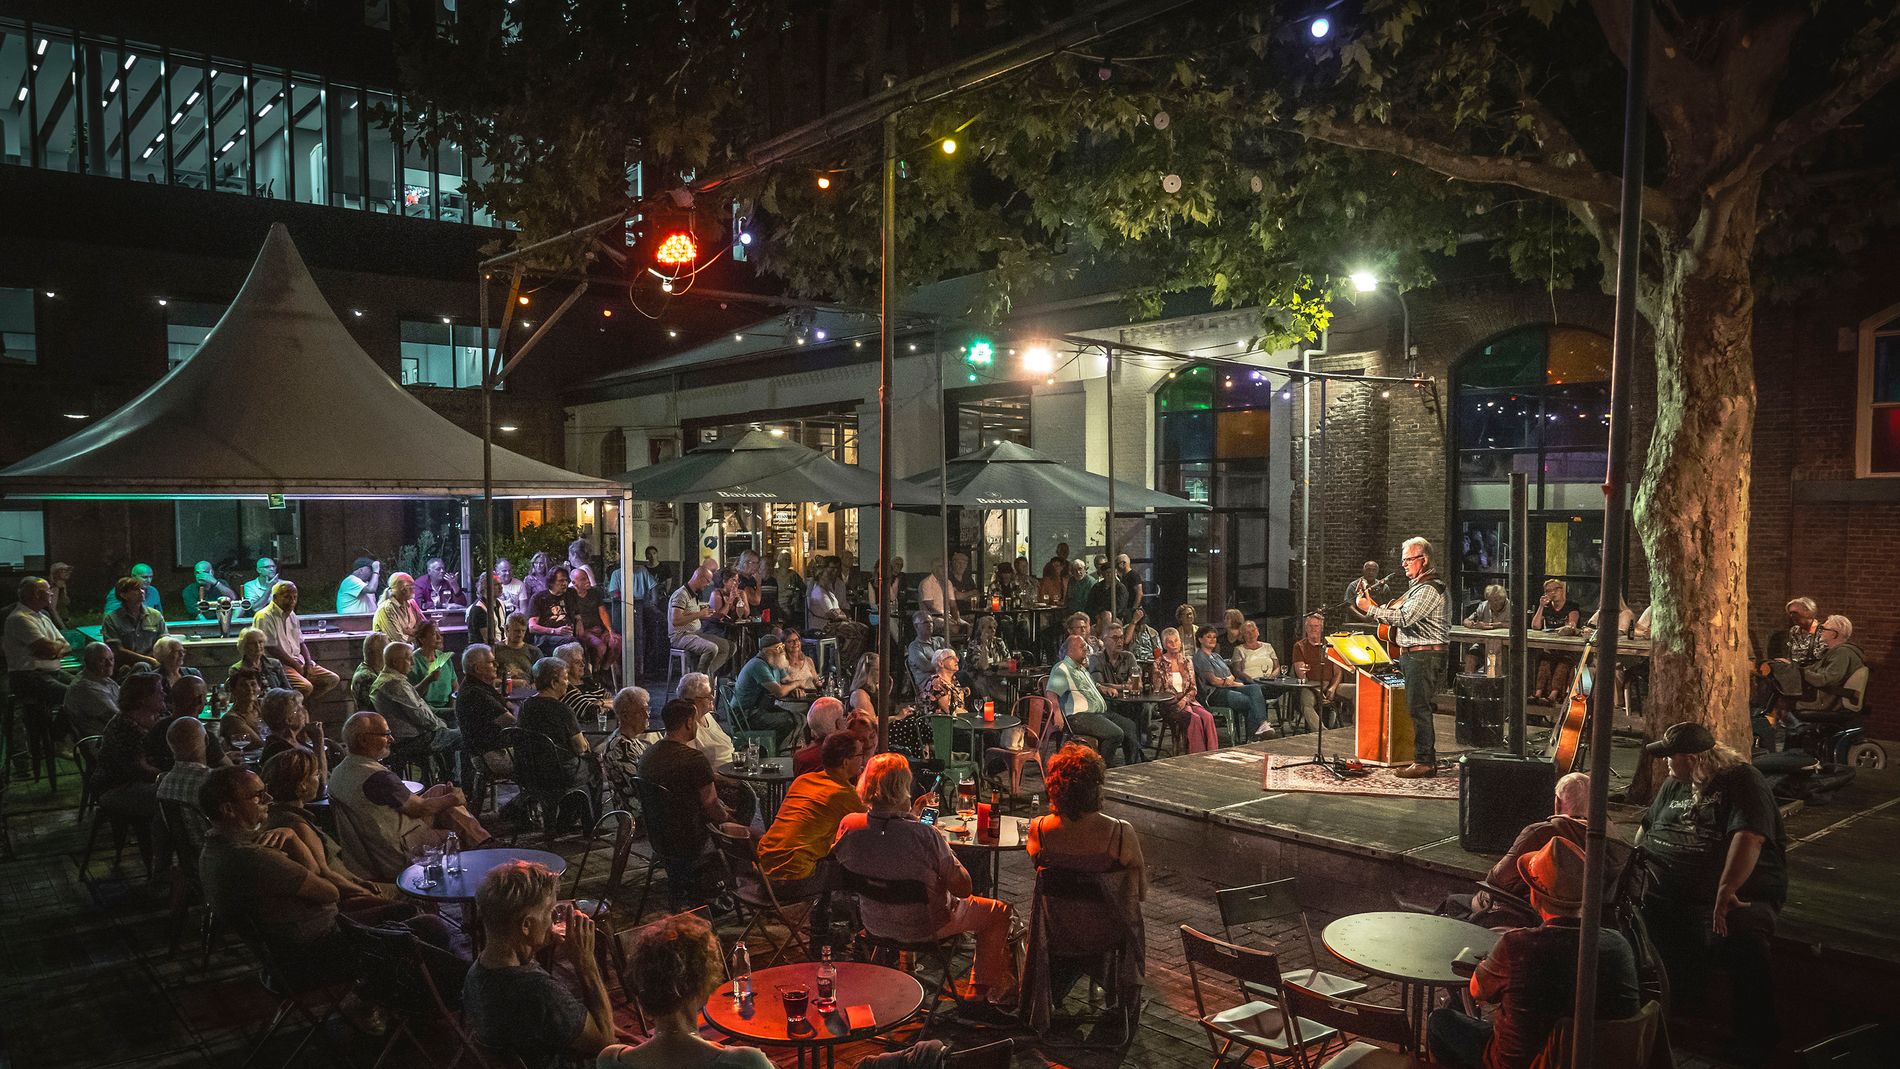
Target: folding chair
point(1253, 1023)
point(758, 904)
point(681, 857)
point(1307, 1009)
point(1077, 918)
point(939, 952)
point(310, 998)
point(397, 971)
point(542, 768)
point(185, 886)
point(1272, 901)
point(995, 1055)
point(620, 824)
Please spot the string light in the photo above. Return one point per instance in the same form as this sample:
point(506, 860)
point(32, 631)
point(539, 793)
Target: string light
point(824, 181)
point(949, 146)
point(606, 313)
point(522, 300)
point(1320, 27)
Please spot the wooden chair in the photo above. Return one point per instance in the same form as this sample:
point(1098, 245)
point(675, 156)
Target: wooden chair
point(1252, 1023)
point(1166, 735)
point(1344, 1017)
point(1272, 901)
point(1033, 711)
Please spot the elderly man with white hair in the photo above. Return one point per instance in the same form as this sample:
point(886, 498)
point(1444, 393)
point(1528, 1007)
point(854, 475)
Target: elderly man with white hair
point(380, 822)
point(1423, 633)
point(418, 731)
point(481, 711)
point(711, 739)
point(634, 733)
point(1568, 820)
point(93, 699)
point(1823, 683)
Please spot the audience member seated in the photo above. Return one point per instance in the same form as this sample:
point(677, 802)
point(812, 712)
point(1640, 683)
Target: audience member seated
point(246, 691)
point(756, 692)
point(1823, 681)
point(984, 659)
point(516, 655)
point(795, 852)
point(510, 1004)
point(382, 825)
point(1233, 632)
point(888, 842)
point(536, 581)
point(1219, 688)
point(920, 654)
point(437, 587)
point(125, 778)
point(1173, 675)
point(728, 604)
point(1253, 660)
point(1142, 639)
point(398, 614)
point(691, 798)
point(33, 646)
point(252, 656)
point(132, 628)
point(825, 718)
point(185, 737)
point(673, 969)
point(293, 777)
point(585, 696)
point(1801, 643)
point(800, 671)
point(551, 611)
point(1568, 821)
point(828, 612)
point(242, 726)
point(1556, 614)
point(937, 597)
point(482, 712)
point(1310, 661)
point(593, 626)
point(546, 714)
point(1530, 976)
point(283, 639)
point(686, 617)
point(1491, 614)
point(356, 594)
point(1080, 706)
point(1715, 853)
point(432, 670)
point(363, 680)
point(1117, 673)
point(257, 591)
point(200, 596)
point(1081, 584)
point(418, 730)
point(861, 700)
point(270, 884)
point(147, 595)
point(941, 693)
point(93, 698)
point(1076, 623)
point(283, 713)
point(1076, 836)
point(620, 755)
point(169, 652)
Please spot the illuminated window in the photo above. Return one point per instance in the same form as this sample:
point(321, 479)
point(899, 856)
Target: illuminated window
point(1213, 442)
point(1878, 430)
point(22, 540)
point(19, 341)
point(187, 324)
point(233, 534)
point(435, 353)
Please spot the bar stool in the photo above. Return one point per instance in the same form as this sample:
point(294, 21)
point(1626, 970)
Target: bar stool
point(678, 663)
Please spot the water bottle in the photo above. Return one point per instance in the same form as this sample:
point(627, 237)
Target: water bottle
point(741, 974)
point(1035, 805)
point(827, 992)
point(452, 854)
point(600, 717)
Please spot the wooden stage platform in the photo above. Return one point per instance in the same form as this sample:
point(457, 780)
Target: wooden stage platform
point(1207, 814)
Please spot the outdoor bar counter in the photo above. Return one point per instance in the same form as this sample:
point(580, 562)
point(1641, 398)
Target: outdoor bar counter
point(335, 640)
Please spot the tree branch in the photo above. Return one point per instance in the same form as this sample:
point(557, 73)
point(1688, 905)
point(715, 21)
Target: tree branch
point(1569, 184)
point(1819, 116)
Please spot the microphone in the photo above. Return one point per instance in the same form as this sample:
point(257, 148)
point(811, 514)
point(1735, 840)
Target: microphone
point(1383, 583)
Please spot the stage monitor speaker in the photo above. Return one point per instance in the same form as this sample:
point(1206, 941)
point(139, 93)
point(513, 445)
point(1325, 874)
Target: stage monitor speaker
point(1499, 795)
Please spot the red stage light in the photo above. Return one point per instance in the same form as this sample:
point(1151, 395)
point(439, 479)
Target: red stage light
point(678, 248)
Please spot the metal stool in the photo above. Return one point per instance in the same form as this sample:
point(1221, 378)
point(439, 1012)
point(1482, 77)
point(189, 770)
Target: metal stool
point(821, 657)
point(676, 659)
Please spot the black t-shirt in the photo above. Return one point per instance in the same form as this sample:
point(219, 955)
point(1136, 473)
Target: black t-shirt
point(522, 1011)
point(1560, 616)
point(586, 608)
point(1535, 972)
point(550, 717)
point(476, 617)
point(477, 705)
point(553, 610)
point(684, 772)
point(1687, 840)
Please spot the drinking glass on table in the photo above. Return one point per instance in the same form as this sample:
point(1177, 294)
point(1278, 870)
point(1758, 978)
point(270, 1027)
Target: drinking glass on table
point(966, 799)
point(797, 997)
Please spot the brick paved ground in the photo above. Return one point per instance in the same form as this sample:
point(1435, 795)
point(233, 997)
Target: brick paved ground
point(89, 980)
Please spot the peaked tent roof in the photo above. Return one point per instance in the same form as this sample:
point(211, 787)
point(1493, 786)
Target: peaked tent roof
point(336, 426)
point(759, 466)
point(1006, 475)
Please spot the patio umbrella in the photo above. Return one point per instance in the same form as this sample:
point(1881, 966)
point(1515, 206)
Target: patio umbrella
point(1010, 476)
point(755, 467)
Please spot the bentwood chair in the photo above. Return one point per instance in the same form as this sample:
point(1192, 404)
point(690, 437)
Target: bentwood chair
point(619, 824)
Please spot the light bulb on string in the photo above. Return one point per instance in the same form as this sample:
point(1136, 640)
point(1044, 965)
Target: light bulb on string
point(824, 181)
point(1320, 27)
point(949, 146)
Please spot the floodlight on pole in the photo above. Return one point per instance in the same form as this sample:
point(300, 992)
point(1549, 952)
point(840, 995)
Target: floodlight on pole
point(1364, 281)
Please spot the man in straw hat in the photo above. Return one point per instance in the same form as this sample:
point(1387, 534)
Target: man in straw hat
point(1531, 975)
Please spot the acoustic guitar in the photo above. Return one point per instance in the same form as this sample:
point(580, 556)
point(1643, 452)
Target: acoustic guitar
point(1567, 740)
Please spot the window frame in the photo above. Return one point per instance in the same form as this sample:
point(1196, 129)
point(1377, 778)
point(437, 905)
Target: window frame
point(1869, 334)
point(46, 552)
point(183, 558)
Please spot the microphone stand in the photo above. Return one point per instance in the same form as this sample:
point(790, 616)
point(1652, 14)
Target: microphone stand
point(1319, 732)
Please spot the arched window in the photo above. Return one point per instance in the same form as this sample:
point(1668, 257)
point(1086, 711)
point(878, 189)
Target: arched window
point(1535, 400)
point(613, 452)
point(1212, 441)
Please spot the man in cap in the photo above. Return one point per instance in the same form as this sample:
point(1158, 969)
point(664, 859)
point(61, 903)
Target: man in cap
point(1716, 856)
point(1530, 976)
point(357, 592)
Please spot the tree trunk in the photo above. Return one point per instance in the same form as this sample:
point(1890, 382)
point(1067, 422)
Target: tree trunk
point(1691, 507)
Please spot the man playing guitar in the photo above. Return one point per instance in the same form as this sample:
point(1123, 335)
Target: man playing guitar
point(1422, 631)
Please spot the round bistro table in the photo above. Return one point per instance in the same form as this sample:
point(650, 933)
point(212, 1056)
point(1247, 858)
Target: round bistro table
point(460, 887)
point(774, 774)
point(893, 995)
point(1009, 833)
point(1416, 949)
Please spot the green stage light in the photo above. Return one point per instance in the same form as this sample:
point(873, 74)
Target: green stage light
point(982, 353)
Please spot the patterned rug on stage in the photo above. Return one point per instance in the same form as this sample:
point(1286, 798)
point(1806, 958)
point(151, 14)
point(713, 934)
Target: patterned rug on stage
point(1377, 781)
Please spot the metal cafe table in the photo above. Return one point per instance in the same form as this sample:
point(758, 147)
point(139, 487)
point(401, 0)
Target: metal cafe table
point(892, 995)
point(1416, 949)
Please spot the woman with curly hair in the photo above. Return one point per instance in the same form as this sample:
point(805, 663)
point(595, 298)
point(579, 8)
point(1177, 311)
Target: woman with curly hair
point(674, 968)
point(1174, 676)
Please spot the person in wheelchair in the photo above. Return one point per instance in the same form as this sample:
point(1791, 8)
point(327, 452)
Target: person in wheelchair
point(1821, 689)
point(1503, 898)
point(1531, 974)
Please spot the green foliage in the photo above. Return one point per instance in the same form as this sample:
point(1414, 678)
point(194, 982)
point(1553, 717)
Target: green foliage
point(520, 546)
point(443, 541)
